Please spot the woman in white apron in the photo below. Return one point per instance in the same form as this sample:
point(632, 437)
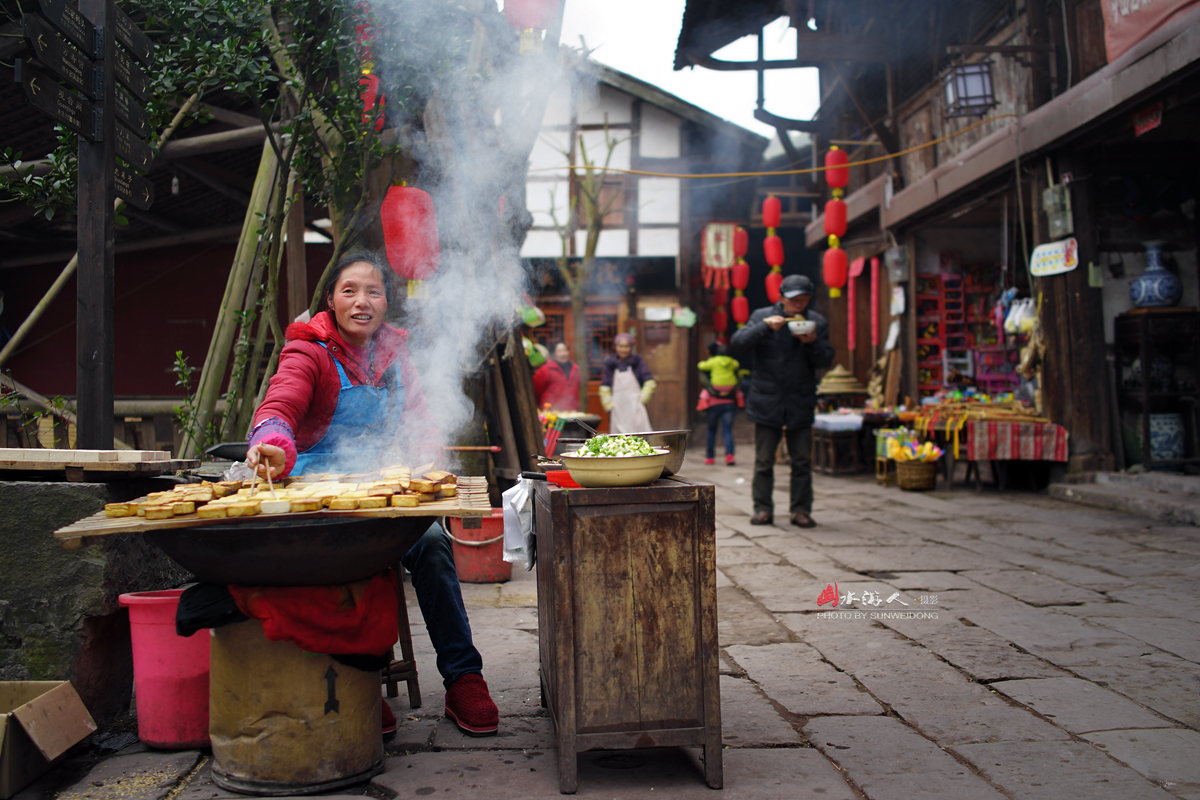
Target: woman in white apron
point(625, 387)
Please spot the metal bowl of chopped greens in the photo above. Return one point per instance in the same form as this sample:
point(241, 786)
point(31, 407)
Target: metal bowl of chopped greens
point(606, 461)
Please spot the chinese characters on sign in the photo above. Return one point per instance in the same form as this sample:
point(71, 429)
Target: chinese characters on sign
point(873, 600)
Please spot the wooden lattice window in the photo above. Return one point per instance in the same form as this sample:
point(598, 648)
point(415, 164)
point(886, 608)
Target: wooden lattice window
point(553, 331)
point(602, 328)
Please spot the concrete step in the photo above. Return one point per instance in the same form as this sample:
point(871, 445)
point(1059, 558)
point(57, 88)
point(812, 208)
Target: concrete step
point(1167, 507)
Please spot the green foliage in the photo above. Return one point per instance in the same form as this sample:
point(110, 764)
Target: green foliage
point(187, 415)
point(29, 416)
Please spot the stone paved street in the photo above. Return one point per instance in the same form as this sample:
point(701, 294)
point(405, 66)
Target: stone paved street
point(1045, 650)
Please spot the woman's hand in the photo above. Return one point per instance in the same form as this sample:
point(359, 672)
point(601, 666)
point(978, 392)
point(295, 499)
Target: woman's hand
point(266, 458)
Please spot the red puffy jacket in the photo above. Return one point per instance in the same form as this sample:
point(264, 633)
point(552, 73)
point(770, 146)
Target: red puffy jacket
point(304, 391)
point(552, 385)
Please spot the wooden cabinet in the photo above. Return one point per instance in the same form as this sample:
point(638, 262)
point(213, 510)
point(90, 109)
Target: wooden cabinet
point(627, 619)
point(1158, 368)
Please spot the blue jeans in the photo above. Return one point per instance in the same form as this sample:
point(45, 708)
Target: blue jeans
point(435, 581)
point(722, 414)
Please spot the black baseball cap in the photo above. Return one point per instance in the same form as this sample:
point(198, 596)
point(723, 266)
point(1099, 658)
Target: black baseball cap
point(795, 285)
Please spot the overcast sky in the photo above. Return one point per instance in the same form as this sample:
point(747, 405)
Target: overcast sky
point(639, 37)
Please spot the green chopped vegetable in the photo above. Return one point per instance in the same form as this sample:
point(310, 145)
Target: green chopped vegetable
point(614, 446)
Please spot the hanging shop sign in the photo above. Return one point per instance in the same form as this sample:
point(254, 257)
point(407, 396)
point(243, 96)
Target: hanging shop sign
point(1054, 258)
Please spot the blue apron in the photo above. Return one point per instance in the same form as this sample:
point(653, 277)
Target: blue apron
point(359, 432)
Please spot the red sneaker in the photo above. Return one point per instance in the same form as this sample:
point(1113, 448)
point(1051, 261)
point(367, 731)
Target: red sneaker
point(470, 706)
point(708, 461)
point(389, 719)
point(729, 462)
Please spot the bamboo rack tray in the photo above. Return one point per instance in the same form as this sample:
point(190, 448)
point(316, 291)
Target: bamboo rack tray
point(88, 529)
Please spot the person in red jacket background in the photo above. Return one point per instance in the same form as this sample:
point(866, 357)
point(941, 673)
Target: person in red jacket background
point(556, 383)
point(346, 398)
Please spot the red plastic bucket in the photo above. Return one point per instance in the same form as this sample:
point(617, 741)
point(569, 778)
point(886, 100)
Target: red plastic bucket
point(479, 552)
point(170, 673)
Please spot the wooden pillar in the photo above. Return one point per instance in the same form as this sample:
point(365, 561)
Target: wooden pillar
point(1075, 370)
point(95, 235)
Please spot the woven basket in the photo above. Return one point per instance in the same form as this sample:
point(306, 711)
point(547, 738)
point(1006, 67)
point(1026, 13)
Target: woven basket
point(916, 476)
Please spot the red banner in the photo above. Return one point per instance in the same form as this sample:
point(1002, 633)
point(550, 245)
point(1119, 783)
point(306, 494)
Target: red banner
point(1127, 22)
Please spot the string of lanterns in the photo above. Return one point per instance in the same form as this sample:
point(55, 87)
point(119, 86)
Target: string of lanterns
point(836, 263)
point(530, 18)
point(772, 213)
point(740, 306)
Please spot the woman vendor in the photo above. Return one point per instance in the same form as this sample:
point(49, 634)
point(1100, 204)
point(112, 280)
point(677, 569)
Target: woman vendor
point(556, 383)
point(345, 399)
point(625, 387)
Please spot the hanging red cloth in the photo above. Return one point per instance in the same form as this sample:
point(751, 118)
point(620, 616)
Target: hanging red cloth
point(360, 617)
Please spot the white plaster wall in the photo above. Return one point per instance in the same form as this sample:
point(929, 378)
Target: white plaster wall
point(538, 201)
point(542, 244)
point(658, 200)
point(613, 242)
point(1116, 290)
point(616, 104)
point(660, 133)
point(597, 150)
point(658, 242)
point(548, 151)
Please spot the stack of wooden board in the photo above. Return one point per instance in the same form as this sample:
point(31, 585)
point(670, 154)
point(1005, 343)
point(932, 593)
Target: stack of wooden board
point(83, 464)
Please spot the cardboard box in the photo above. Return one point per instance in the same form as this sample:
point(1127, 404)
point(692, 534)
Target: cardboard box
point(39, 721)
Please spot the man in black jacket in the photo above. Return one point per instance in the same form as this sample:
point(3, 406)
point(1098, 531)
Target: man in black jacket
point(783, 395)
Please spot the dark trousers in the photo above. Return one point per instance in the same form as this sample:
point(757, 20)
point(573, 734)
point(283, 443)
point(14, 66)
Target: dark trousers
point(799, 445)
point(720, 415)
point(435, 581)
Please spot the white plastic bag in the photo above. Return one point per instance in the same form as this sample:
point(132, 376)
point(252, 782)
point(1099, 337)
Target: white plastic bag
point(518, 523)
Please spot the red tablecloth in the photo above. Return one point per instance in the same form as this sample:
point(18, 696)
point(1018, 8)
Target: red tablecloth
point(1015, 441)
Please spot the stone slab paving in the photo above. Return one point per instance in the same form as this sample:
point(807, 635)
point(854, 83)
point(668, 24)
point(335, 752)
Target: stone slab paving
point(750, 719)
point(795, 676)
point(741, 620)
point(1163, 683)
point(1079, 706)
point(978, 652)
point(1180, 637)
point(889, 761)
point(1055, 770)
point(1169, 757)
point(144, 776)
point(775, 774)
point(1032, 588)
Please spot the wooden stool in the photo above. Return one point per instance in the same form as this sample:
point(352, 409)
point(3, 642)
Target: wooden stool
point(885, 475)
point(405, 668)
point(826, 447)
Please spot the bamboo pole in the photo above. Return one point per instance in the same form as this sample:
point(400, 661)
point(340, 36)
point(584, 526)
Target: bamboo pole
point(69, 269)
point(212, 375)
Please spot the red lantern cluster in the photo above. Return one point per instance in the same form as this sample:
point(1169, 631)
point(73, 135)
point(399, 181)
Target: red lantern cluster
point(740, 306)
point(410, 233)
point(530, 17)
point(836, 262)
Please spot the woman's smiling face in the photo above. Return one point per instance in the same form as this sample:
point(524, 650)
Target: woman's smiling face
point(359, 303)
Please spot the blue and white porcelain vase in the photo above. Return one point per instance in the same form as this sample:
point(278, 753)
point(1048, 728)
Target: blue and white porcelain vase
point(1166, 437)
point(1157, 287)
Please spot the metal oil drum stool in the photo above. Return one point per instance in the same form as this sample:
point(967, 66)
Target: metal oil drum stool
point(286, 722)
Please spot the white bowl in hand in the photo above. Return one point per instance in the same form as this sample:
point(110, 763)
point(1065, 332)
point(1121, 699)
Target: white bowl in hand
point(802, 327)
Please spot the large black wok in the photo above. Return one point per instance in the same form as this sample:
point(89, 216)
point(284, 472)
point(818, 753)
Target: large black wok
point(313, 552)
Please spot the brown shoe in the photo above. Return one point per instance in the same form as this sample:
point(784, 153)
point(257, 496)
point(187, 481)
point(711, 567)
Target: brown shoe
point(802, 520)
point(762, 518)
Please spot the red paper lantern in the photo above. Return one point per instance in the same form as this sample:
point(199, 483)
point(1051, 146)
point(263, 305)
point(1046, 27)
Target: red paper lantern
point(837, 174)
point(773, 281)
point(720, 320)
point(772, 212)
point(525, 14)
point(741, 276)
point(740, 307)
point(741, 242)
point(720, 296)
point(372, 96)
point(835, 269)
point(410, 232)
point(773, 250)
point(835, 218)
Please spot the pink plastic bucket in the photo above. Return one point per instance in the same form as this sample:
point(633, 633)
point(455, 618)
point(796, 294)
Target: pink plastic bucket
point(170, 673)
